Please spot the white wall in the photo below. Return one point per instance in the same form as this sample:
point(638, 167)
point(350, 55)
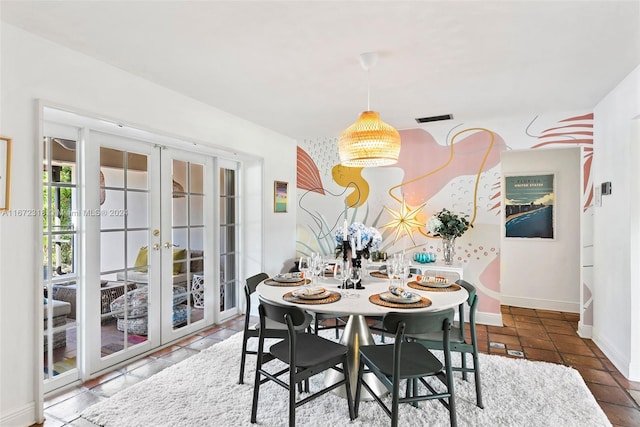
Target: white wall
point(545, 273)
point(616, 323)
point(33, 68)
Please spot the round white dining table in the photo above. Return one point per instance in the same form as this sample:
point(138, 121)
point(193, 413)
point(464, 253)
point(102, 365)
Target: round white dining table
point(355, 304)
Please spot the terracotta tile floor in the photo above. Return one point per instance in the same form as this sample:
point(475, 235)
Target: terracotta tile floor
point(533, 334)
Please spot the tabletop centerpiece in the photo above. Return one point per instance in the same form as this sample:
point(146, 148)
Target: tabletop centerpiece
point(448, 225)
point(356, 241)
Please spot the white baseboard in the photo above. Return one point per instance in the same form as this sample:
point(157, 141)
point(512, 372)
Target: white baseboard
point(618, 359)
point(492, 319)
point(634, 372)
point(20, 417)
point(584, 331)
point(540, 304)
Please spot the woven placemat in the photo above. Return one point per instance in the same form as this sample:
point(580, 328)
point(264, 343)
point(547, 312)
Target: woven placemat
point(272, 282)
point(332, 297)
point(375, 299)
point(382, 275)
point(379, 274)
point(425, 287)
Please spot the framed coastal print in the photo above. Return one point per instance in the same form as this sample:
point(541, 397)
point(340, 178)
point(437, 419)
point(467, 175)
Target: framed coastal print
point(529, 203)
point(5, 172)
point(280, 196)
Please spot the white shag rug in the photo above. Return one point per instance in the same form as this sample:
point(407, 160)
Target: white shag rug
point(203, 391)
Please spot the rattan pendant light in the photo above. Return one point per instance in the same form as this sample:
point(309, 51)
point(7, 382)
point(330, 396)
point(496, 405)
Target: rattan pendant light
point(369, 142)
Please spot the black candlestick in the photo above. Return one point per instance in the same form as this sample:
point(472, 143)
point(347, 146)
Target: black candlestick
point(356, 262)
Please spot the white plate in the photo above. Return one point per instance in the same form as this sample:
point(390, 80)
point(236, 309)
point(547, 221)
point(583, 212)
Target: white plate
point(389, 297)
point(436, 284)
point(287, 279)
point(315, 294)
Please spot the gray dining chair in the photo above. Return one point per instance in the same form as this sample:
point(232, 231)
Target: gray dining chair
point(305, 355)
point(410, 361)
point(459, 340)
point(273, 329)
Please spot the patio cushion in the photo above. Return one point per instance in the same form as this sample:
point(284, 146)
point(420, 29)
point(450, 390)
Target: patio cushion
point(137, 302)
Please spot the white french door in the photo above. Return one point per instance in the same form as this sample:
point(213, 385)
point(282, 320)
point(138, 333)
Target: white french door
point(140, 244)
point(127, 172)
point(186, 216)
point(152, 244)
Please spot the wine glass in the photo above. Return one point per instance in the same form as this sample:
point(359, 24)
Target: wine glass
point(340, 271)
point(305, 266)
point(318, 266)
point(405, 272)
point(355, 275)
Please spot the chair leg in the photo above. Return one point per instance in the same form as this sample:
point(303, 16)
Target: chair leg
point(243, 359)
point(414, 383)
point(347, 385)
point(356, 400)
point(452, 400)
point(394, 403)
point(337, 324)
point(476, 369)
point(463, 357)
point(407, 391)
point(256, 391)
point(292, 400)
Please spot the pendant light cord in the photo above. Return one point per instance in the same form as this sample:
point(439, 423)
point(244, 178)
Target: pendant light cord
point(368, 90)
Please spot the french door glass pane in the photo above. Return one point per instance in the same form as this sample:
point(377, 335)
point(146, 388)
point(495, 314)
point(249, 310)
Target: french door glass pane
point(60, 257)
point(137, 209)
point(137, 171)
point(124, 244)
point(115, 198)
point(228, 246)
point(187, 219)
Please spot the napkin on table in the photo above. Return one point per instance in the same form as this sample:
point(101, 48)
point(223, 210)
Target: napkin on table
point(431, 279)
point(296, 275)
point(399, 291)
point(311, 290)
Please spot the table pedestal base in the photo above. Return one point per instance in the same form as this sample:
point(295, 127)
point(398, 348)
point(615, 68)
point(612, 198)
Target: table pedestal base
point(356, 333)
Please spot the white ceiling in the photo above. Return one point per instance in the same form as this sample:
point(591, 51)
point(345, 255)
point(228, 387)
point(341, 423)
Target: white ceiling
point(293, 66)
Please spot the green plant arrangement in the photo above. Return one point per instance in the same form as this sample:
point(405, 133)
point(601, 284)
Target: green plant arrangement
point(446, 224)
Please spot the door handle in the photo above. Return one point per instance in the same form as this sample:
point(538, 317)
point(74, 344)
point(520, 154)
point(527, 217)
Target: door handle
point(156, 246)
point(167, 245)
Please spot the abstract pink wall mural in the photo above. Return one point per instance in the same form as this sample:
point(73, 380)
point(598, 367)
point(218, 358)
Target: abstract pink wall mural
point(453, 166)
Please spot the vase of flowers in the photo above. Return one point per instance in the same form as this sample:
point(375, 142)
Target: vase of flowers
point(360, 239)
point(448, 249)
point(448, 225)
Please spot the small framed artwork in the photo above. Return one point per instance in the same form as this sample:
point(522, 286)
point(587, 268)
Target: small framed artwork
point(529, 204)
point(280, 196)
point(5, 172)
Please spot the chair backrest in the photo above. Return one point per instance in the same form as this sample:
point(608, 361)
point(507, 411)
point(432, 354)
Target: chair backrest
point(419, 323)
point(280, 313)
point(250, 287)
point(254, 281)
point(473, 296)
point(472, 302)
